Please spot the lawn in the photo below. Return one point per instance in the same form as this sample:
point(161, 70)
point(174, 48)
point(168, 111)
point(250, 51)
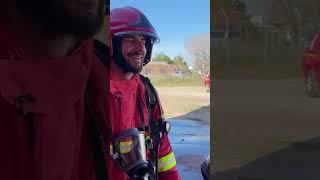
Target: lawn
point(172, 81)
point(248, 60)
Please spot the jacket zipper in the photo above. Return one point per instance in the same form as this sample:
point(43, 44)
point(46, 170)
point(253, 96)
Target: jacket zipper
point(34, 129)
point(118, 96)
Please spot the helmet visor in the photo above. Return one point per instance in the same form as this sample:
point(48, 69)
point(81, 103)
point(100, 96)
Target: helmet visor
point(154, 40)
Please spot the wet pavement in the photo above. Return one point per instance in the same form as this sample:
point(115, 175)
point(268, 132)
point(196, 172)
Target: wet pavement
point(191, 144)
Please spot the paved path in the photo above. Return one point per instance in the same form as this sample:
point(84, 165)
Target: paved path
point(266, 130)
point(191, 143)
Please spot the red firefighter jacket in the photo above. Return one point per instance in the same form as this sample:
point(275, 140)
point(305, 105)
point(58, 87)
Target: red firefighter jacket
point(124, 114)
point(44, 128)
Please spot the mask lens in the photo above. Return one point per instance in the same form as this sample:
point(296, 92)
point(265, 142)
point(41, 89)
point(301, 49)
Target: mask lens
point(130, 146)
point(127, 145)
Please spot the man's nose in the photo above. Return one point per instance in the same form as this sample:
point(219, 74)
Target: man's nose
point(140, 45)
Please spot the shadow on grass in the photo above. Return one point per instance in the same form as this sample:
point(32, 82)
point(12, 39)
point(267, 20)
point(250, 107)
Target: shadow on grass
point(297, 162)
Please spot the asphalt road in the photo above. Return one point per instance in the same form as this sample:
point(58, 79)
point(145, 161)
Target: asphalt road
point(265, 129)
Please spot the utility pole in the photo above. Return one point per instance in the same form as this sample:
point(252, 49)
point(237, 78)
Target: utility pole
point(296, 10)
point(226, 36)
point(266, 58)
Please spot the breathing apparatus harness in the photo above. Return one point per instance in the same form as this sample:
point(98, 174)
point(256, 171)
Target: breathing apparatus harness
point(129, 147)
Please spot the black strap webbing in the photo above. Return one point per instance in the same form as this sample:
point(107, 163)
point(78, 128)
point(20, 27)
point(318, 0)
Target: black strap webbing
point(142, 125)
point(152, 100)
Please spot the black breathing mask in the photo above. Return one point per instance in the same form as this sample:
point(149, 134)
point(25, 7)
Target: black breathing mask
point(129, 151)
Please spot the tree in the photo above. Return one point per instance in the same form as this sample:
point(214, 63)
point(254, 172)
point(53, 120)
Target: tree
point(235, 8)
point(237, 5)
point(294, 14)
point(240, 6)
point(179, 60)
point(218, 4)
point(199, 47)
point(162, 57)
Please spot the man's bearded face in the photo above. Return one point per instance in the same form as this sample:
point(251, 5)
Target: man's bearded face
point(133, 52)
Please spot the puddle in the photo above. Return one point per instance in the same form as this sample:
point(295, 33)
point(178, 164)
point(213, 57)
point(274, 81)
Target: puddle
point(191, 144)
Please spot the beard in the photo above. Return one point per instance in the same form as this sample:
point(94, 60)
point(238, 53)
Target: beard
point(126, 66)
point(56, 17)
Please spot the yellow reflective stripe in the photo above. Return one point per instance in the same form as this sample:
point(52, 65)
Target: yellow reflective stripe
point(166, 158)
point(167, 162)
point(147, 137)
point(111, 149)
point(126, 143)
point(125, 147)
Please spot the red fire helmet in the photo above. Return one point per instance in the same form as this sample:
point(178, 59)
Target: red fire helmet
point(131, 21)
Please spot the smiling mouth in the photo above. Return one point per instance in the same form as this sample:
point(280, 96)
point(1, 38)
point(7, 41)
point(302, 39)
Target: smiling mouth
point(136, 57)
point(136, 60)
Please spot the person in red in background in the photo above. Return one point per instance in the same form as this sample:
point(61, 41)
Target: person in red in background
point(135, 110)
point(46, 64)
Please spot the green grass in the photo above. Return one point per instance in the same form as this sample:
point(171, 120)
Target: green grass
point(248, 61)
point(170, 81)
point(258, 71)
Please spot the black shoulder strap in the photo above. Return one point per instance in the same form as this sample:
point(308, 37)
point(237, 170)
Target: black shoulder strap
point(142, 125)
point(152, 100)
point(151, 93)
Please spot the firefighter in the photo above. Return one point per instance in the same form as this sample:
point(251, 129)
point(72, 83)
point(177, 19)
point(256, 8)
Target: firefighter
point(47, 63)
point(140, 147)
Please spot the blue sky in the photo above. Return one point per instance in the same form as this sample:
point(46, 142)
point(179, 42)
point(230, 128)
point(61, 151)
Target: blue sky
point(174, 20)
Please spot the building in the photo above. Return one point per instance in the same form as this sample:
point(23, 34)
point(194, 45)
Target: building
point(162, 68)
point(257, 21)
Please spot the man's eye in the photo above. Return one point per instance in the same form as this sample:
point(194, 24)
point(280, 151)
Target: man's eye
point(133, 40)
point(130, 40)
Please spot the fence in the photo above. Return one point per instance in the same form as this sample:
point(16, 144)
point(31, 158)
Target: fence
point(259, 51)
